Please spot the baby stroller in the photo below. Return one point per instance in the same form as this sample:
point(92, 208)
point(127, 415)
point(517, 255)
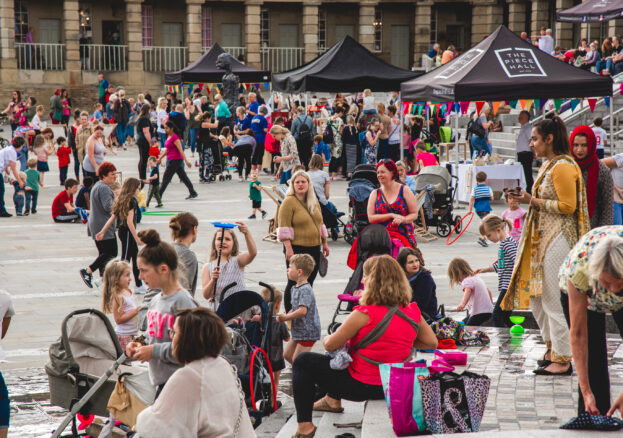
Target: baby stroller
point(248, 348)
point(363, 182)
point(440, 179)
point(81, 365)
point(213, 162)
point(332, 221)
point(374, 240)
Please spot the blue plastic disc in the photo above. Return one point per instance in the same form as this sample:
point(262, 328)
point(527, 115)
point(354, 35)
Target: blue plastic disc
point(224, 225)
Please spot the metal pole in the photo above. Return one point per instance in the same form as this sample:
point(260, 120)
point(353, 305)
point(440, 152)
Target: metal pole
point(402, 131)
point(306, 111)
point(456, 135)
point(611, 125)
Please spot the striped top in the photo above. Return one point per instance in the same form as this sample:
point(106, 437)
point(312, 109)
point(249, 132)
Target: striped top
point(230, 273)
point(506, 262)
point(482, 194)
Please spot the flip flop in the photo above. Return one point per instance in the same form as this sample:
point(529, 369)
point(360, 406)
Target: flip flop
point(324, 407)
point(305, 435)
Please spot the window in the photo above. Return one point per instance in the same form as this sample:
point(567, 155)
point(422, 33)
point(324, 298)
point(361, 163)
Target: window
point(322, 29)
point(264, 28)
point(86, 31)
point(21, 21)
point(378, 30)
point(147, 23)
point(206, 27)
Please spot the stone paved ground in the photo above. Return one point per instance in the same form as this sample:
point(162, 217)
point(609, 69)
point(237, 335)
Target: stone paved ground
point(40, 260)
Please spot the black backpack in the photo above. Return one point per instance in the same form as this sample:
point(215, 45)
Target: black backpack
point(474, 127)
point(327, 135)
point(305, 134)
point(123, 113)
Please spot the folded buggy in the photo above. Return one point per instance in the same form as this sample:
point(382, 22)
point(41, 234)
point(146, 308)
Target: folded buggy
point(440, 212)
point(362, 183)
point(82, 364)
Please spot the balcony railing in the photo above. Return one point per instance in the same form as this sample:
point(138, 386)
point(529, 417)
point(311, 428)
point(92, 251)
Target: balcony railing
point(103, 57)
point(40, 56)
point(278, 59)
point(234, 51)
point(156, 59)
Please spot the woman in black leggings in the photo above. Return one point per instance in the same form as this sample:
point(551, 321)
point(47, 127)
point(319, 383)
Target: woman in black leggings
point(175, 161)
point(143, 129)
point(207, 146)
point(243, 149)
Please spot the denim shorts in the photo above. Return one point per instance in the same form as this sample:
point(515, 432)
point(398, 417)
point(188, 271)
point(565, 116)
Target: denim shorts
point(5, 411)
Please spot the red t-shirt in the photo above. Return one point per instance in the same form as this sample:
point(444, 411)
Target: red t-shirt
point(64, 153)
point(58, 205)
point(427, 158)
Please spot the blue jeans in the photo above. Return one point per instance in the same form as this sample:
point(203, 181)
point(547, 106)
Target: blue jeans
point(480, 146)
point(121, 132)
point(600, 65)
point(2, 209)
point(285, 176)
point(76, 164)
point(63, 173)
point(163, 137)
point(31, 199)
point(5, 411)
point(192, 138)
point(618, 214)
point(22, 157)
point(18, 200)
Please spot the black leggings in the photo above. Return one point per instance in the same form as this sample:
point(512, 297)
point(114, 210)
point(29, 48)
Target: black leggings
point(243, 152)
point(173, 167)
point(313, 251)
point(478, 319)
point(143, 150)
point(526, 158)
point(129, 251)
point(258, 155)
point(311, 371)
point(107, 250)
point(598, 377)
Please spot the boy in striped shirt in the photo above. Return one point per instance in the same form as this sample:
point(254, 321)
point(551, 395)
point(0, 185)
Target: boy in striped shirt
point(480, 202)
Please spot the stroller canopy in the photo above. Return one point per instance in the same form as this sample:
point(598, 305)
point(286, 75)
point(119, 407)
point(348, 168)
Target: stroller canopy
point(433, 175)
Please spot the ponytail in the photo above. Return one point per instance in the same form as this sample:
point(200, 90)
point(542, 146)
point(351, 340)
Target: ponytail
point(557, 129)
point(493, 222)
point(174, 128)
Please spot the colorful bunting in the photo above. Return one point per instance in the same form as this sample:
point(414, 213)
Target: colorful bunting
point(479, 106)
point(457, 108)
point(267, 85)
point(591, 104)
point(574, 104)
point(464, 107)
point(557, 104)
point(513, 103)
point(495, 106)
point(607, 101)
point(541, 104)
point(525, 104)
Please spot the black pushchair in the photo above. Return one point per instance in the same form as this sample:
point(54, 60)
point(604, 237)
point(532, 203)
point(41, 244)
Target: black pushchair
point(441, 212)
point(212, 162)
point(248, 348)
point(333, 221)
point(363, 182)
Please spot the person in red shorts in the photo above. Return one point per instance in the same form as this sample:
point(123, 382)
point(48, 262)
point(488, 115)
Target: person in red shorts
point(63, 209)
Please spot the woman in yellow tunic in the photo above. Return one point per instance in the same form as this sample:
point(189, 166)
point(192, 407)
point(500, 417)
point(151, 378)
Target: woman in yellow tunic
point(557, 218)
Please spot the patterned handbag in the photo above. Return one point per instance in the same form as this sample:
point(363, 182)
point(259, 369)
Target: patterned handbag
point(454, 403)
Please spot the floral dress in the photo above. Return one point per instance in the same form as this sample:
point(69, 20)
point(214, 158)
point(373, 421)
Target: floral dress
point(399, 206)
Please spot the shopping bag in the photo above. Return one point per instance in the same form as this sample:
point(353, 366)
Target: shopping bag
point(403, 397)
point(454, 403)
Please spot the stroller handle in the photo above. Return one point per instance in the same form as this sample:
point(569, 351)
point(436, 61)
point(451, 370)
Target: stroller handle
point(271, 289)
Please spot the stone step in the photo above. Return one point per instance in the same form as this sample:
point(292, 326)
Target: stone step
point(327, 423)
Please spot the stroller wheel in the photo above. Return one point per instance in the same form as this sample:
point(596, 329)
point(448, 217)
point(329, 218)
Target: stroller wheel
point(333, 327)
point(443, 229)
point(459, 227)
point(334, 234)
point(228, 177)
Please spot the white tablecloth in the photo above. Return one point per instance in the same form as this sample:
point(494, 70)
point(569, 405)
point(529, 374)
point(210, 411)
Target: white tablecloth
point(499, 176)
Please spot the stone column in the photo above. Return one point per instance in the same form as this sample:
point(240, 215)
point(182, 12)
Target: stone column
point(310, 30)
point(615, 27)
point(134, 40)
point(71, 31)
point(8, 72)
point(252, 10)
point(421, 46)
point(563, 32)
point(366, 23)
point(486, 17)
point(540, 17)
point(193, 29)
point(517, 16)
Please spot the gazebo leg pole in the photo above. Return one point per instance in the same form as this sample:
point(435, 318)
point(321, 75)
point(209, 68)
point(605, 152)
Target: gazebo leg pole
point(611, 125)
point(456, 136)
point(402, 131)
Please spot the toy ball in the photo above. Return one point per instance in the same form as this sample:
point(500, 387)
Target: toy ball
point(517, 319)
point(84, 420)
point(517, 330)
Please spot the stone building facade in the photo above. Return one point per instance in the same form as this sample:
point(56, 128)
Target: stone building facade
point(134, 42)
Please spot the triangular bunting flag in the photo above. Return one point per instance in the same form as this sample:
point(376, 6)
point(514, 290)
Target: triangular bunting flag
point(257, 87)
point(512, 103)
point(574, 104)
point(479, 106)
point(537, 103)
point(464, 107)
point(529, 104)
point(557, 104)
point(522, 103)
point(591, 104)
point(542, 103)
point(496, 106)
point(607, 101)
point(200, 86)
point(267, 85)
point(457, 107)
point(220, 87)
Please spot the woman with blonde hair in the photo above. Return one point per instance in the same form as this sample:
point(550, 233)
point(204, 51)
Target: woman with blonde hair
point(301, 229)
point(163, 116)
point(386, 295)
point(289, 152)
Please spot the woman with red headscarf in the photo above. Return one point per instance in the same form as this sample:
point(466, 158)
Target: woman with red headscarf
point(392, 205)
point(596, 176)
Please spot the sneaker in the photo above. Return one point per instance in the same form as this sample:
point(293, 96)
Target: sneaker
point(252, 216)
point(263, 214)
point(34, 211)
point(240, 179)
point(26, 213)
point(87, 278)
point(159, 205)
point(5, 214)
point(141, 290)
point(483, 242)
point(193, 196)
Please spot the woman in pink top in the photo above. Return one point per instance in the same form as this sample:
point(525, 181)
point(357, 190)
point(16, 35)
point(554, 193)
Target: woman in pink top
point(175, 160)
point(361, 380)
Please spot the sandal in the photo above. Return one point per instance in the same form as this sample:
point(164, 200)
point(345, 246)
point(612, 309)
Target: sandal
point(305, 435)
point(542, 363)
point(324, 407)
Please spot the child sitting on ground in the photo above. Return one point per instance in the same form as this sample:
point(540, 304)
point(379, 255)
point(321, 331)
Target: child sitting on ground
point(64, 153)
point(482, 195)
point(255, 195)
point(322, 149)
point(477, 297)
point(32, 187)
point(516, 215)
point(495, 228)
point(83, 199)
point(63, 209)
point(154, 181)
point(278, 334)
point(19, 197)
point(117, 299)
point(423, 287)
point(304, 313)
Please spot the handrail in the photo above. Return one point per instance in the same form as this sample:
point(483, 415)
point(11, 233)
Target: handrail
point(103, 57)
point(40, 56)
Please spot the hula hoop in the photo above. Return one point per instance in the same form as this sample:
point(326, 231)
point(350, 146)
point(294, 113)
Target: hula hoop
point(162, 212)
point(471, 216)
